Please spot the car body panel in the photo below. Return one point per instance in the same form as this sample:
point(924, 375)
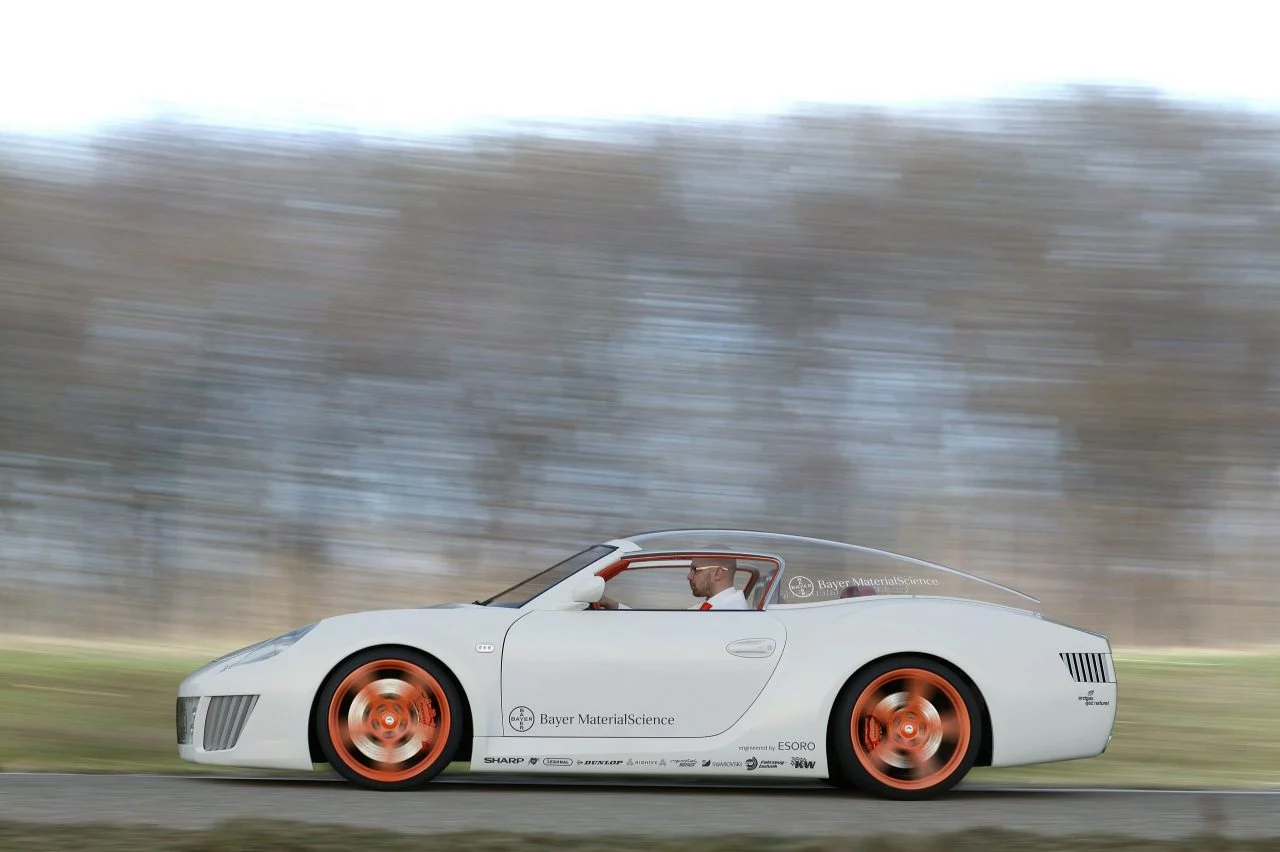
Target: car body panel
point(465, 640)
point(553, 687)
point(636, 673)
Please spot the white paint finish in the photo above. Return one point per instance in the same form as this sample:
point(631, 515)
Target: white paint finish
point(275, 734)
point(1034, 702)
point(678, 664)
point(727, 705)
point(275, 737)
point(1011, 657)
point(569, 668)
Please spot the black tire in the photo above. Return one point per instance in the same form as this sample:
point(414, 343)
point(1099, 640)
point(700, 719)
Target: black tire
point(916, 732)
point(839, 782)
point(389, 719)
point(836, 777)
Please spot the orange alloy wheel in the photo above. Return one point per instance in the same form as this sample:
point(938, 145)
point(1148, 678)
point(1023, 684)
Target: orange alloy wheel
point(910, 729)
point(389, 720)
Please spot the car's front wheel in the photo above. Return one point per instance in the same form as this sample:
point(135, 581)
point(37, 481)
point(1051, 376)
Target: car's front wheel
point(389, 720)
point(906, 728)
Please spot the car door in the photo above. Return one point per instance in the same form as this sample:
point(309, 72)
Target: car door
point(635, 673)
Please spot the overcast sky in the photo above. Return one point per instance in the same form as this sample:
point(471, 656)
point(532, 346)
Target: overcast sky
point(414, 67)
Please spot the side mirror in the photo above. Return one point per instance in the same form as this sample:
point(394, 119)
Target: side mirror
point(589, 591)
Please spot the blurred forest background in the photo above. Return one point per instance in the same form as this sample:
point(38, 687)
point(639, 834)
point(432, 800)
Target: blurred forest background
point(251, 378)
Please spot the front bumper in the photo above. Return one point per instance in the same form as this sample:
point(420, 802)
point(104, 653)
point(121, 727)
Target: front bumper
point(254, 716)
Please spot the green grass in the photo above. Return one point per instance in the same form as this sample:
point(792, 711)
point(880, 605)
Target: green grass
point(1183, 720)
point(251, 836)
point(89, 711)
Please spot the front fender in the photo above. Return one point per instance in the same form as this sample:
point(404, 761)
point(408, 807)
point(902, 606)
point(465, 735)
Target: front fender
point(467, 641)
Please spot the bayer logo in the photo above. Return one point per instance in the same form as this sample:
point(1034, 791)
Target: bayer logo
point(521, 718)
point(800, 586)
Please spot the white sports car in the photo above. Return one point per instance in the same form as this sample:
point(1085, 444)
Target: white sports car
point(864, 668)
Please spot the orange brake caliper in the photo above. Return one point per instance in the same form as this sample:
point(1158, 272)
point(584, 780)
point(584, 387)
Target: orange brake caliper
point(426, 711)
point(871, 734)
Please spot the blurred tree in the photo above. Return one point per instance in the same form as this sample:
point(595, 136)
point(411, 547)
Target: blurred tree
point(1039, 338)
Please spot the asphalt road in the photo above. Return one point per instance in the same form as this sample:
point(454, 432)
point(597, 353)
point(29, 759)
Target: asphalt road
point(537, 805)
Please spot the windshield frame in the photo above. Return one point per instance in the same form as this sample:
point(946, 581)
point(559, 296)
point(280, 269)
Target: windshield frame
point(566, 567)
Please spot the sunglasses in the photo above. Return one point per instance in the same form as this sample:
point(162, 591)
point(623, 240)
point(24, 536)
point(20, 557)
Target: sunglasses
point(703, 567)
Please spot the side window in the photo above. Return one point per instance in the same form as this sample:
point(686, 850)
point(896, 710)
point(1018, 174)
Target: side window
point(665, 585)
point(647, 586)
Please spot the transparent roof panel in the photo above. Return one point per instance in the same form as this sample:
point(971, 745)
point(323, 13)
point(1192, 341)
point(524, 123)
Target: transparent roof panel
point(817, 571)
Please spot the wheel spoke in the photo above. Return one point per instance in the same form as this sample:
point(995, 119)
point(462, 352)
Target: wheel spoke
point(890, 755)
point(361, 680)
point(918, 689)
point(926, 767)
point(884, 710)
point(951, 728)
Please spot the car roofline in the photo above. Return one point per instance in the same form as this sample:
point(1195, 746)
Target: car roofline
point(629, 540)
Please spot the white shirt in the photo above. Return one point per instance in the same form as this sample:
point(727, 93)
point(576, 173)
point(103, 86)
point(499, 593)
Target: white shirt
point(730, 598)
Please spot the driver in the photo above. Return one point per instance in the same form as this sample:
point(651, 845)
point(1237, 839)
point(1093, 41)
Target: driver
point(710, 578)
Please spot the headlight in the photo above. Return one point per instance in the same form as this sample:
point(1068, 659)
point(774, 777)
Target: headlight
point(268, 649)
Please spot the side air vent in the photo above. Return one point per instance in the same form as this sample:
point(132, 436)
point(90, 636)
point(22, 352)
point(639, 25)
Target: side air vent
point(225, 720)
point(186, 719)
point(1089, 668)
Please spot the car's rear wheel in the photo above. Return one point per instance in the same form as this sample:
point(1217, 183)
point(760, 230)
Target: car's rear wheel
point(906, 728)
point(389, 720)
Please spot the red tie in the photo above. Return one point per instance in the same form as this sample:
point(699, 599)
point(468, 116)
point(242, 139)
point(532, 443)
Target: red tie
point(705, 605)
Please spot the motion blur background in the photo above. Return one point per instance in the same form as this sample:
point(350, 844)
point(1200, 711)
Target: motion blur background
point(257, 367)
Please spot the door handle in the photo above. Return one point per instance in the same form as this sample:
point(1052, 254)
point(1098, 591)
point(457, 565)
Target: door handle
point(752, 647)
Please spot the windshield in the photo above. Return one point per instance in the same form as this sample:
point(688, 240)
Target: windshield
point(526, 590)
